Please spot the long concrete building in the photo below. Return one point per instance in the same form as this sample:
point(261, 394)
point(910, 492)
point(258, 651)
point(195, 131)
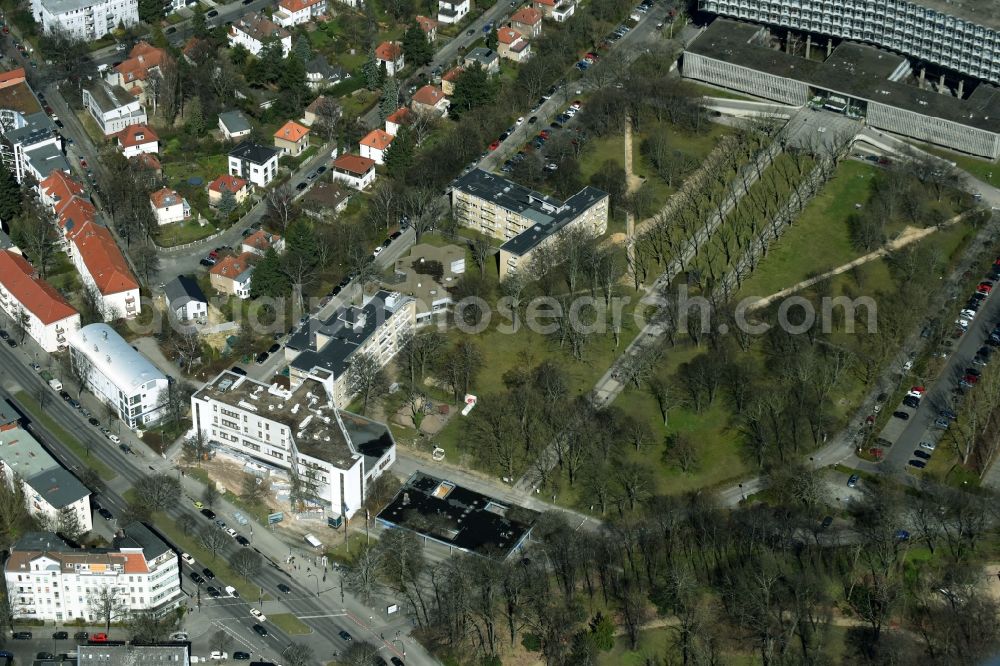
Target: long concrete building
point(865, 82)
point(962, 36)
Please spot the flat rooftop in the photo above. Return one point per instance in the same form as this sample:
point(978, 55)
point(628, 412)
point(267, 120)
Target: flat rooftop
point(855, 70)
point(329, 344)
point(459, 517)
point(319, 429)
point(19, 97)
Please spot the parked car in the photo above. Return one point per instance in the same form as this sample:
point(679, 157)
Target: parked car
point(114, 438)
point(105, 514)
point(911, 401)
point(242, 540)
point(919, 464)
point(208, 513)
point(930, 446)
point(22, 635)
point(187, 558)
point(853, 481)
point(208, 573)
point(261, 358)
point(197, 577)
point(241, 656)
point(922, 454)
point(901, 415)
point(60, 635)
point(942, 424)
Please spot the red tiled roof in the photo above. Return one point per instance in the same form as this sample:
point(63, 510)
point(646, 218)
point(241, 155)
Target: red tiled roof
point(104, 260)
point(146, 160)
point(389, 51)
point(291, 131)
point(508, 35)
point(60, 187)
point(165, 197)
point(13, 76)
point(135, 563)
point(452, 74)
point(527, 16)
point(34, 294)
point(141, 59)
point(400, 116)
point(130, 136)
point(260, 28)
point(74, 214)
point(428, 95)
point(377, 139)
point(293, 6)
point(231, 266)
point(261, 240)
point(232, 183)
point(427, 24)
point(354, 164)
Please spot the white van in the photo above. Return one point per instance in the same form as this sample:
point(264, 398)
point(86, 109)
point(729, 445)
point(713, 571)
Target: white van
point(313, 541)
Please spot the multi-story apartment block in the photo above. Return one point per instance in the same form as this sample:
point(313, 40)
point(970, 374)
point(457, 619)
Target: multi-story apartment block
point(377, 328)
point(334, 453)
point(47, 579)
point(962, 36)
point(30, 144)
point(50, 490)
point(862, 80)
point(112, 107)
point(296, 12)
point(254, 162)
point(525, 219)
point(86, 20)
point(47, 317)
point(118, 375)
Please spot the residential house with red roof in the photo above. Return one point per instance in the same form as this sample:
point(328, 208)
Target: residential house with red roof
point(103, 267)
point(48, 318)
point(557, 10)
point(260, 241)
point(237, 186)
point(429, 26)
point(390, 55)
point(449, 79)
point(136, 139)
point(358, 172)
point(527, 21)
point(397, 119)
point(232, 275)
point(429, 99)
point(512, 45)
point(132, 74)
point(169, 206)
point(375, 144)
point(291, 138)
point(297, 12)
point(253, 30)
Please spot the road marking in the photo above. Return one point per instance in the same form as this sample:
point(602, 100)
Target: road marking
point(316, 617)
point(232, 632)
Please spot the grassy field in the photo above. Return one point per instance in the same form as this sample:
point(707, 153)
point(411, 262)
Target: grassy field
point(290, 624)
point(180, 233)
point(38, 414)
point(982, 169)
point(819, 240)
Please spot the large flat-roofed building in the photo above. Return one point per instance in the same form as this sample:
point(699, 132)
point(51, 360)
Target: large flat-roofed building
point(50, 580)
point(334, 453)
point(865, 81)
point(458, 517)
point(962, 36)
point(112, 107)
point(377, 328)
point(51, 492)
point(525, 219)
point(84, 19)
point(118, 375)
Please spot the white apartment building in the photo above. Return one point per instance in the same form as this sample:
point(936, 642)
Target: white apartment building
point(964, 37)
point(48, 317)
point(297, 12)
point(87, 20)
point(169, 206)
point(452, 11)
point(301, 431)
point(377, 328)
point(355, 171)
point(49, 580)
point(112, 107)
point(31, 144)
point(525, 219)
point(119, 375)
point(253, 31)
point(49, 488)
point(254, 162)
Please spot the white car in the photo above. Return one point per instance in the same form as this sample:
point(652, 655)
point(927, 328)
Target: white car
point(377, 251)
point(218, 655)
point(231, 532)
point(907, 366)
point(187, 558)
point(231, 591)
point(519, 120)
point(179, 636)
point(114, 438)
point(930, 446)
point(257, 614)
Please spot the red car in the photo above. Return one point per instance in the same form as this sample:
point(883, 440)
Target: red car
point(6, 30)
point(918, 390)
point(83, 163)
point(99, 638)
point(214, 254)
point(984, 288)
point(544, 134)
point(970, 379)
point(494, 145)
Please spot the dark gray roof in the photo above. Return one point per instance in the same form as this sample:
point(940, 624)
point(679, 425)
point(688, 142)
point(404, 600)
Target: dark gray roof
point(253, 152)
point(7, 413)
point(109, 97)
point(235, 121)
point(348, 327)
point(457, 516)
point(137, 535)
point(182, 290)
point(549, 214)
point(42, 541)
point(46, 159)
point(38, 127)
point(5, 242)
point(855, 70)
point(482, 55)
point(319, 65)
point(58, 487)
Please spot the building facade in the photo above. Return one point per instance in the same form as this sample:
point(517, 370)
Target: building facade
point(453, 11)
point(169, 206)
point(112, 107)
point(232, 275)
point(297, 12)
point(47, 579)
point(334, 453)
point(86, 20)
point(255, 163)
point(118, 375)
point(952, 35)
point(48, 319)
point(356, 171)
point(253, 31)
point(375, 144)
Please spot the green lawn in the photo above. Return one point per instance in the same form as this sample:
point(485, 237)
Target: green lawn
point(982, 169)
point(79, 450)
point(179, 233)
point(290, 624)
point(819, 240)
